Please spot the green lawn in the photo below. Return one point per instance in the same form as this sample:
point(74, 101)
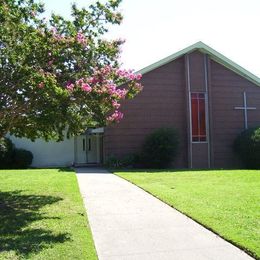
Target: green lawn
point(226, 201)
point(42, 216)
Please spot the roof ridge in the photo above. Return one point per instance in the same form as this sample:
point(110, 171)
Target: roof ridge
point(217, 56)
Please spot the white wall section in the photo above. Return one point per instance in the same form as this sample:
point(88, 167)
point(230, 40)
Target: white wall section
point(48, 154)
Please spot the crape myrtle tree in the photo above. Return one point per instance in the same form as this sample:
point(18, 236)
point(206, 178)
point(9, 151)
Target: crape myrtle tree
point(60, 75)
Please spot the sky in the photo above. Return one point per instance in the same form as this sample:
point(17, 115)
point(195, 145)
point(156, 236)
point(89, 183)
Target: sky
point(155, 29)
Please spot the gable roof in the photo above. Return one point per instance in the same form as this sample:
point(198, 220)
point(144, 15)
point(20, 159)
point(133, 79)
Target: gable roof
point(216, 56)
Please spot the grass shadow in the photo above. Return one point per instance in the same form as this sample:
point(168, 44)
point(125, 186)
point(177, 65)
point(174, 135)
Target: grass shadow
point(146, 170)
point(17, 212)
point(66, 169)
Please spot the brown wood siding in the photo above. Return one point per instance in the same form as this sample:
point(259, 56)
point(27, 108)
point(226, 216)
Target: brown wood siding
point(227, 89)
point(160, 104)
point(200, 155)
point(197, 72)
point(163, 103)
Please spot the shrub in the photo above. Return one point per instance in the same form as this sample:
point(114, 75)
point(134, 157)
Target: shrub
point(160, 148)
point(6, 152)
point(247, 147)
point(130, 160)
point(22, 158)
point(127, 161)
point(10, 157)
point(112, 162)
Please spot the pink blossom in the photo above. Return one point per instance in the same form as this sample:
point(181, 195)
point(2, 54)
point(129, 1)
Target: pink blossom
point(115, 104)
point(86, 87)
point(79, 82)
point(81, 38)
point(121, 93)
point(33, 13)
point(128, 74)
point(56, 35)
point(131, 76)
point(49, 54)
point(90, 80)
point(111, 89)
point(138, 86)
point(70, 86)
point(138, 76)
point(93, 80)
point(106, 70)
point(121, 73)
point(115, 117)
point(41, 85)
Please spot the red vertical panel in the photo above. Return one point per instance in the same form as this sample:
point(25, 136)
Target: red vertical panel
point(195, 119)
point(198, 117)
point(202, 117)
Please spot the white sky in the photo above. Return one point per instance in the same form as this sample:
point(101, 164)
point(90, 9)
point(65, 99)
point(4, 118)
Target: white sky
point(154, 29)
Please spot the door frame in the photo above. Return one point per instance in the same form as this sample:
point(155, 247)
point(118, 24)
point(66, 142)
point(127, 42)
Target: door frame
point(99, 148)
point(76, 143)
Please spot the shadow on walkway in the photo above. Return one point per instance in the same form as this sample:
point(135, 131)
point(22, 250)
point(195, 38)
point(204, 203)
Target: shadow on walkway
point(90, 170)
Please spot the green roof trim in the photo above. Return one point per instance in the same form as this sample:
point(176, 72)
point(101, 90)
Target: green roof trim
point(218, 57)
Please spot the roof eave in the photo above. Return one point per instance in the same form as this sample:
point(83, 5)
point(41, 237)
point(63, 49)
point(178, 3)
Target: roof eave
point(216, 56)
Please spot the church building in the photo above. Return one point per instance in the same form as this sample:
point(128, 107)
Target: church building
point(208, 98)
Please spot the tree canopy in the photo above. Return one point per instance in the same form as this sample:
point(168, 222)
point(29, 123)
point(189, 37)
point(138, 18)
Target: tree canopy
point(60, 75)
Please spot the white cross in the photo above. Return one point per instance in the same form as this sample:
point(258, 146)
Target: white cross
point(245, 108)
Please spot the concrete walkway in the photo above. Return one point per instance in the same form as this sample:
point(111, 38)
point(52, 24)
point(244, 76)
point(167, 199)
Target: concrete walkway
point(128, 223)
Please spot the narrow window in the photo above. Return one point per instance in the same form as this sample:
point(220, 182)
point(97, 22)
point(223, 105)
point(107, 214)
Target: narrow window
point(198, 105)
point(89, 144)
point(83, 144)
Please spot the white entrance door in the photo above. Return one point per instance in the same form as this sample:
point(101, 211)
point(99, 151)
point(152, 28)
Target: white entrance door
point(81, 149)
point(93, 149)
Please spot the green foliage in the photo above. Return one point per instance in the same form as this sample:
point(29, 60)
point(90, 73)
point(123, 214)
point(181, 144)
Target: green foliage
point(6, 152)
point(41, 61)
point(131, 160)
point(127, 161)
point(247, 147)
point(113, 162)
point(159, 151)
point(11, 157)
point(22, 159)
point(160, 148)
